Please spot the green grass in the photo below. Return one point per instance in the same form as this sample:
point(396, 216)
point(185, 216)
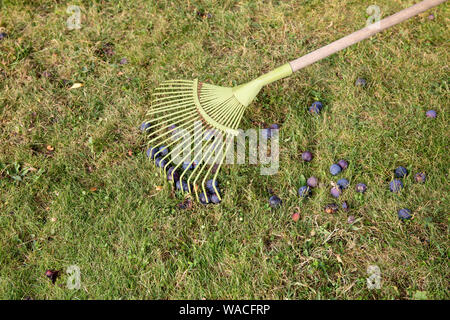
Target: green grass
point(88, 203)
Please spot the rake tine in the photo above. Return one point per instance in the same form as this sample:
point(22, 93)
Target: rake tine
point(170, 153)
point(191, 119)
point(201, 161)
point(211, 152)
point(217, 171)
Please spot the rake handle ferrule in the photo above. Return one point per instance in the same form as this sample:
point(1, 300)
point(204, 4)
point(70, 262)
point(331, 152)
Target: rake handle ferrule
point(362, 34)
point(245, 93)
point(279, 73)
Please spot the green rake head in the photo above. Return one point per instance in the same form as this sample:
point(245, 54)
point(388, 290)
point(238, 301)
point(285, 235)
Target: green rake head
point(192, 125)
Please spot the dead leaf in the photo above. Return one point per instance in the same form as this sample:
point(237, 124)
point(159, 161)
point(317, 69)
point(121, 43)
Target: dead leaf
point(76, 85)
point(93, 189)
point(339, 259)
point(351, 245)
point(50, 148)
point(158, 188)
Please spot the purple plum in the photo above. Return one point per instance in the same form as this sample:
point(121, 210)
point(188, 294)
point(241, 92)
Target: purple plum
point(275, 202)
point(431, 114)
point(361, 187)
point(396, 185)
point(335, 169)
point(316, 107)
point(312, 182)
point(343, 183)
point(335, 192)
point(420, 177)
point(343, 164)
point(404, 214)
point(345, 206)
point(307, 156)
point(304, 191)
point(401, 172)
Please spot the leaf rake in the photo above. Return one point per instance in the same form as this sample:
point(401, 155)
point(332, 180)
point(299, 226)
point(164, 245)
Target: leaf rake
point(192, 125)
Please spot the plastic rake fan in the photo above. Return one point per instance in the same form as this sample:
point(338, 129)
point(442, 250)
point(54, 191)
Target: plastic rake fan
point(191, 125)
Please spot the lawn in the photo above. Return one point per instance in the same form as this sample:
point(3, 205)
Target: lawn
point(76, 188)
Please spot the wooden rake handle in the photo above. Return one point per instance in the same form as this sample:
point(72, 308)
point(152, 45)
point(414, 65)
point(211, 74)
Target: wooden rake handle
point(362, 34)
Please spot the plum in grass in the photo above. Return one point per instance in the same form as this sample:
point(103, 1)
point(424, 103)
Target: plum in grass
point(431, 114)
point(163, 151)
point(304, 191)
point(400, 172)
point(343, 183)
point(214, 199)
point(210, 184)
point(316, 107)
point(161, 163)
point(335, 169)
point(182, 185)
point(420, 177)
point(396, 185)
point(172, 174)
point(307, 156)
point(404, 214)
point(361, 82)
point(275, 202)
point(151, 152)
point(343, 164)
point(345, 206)
point(335, 192)
point(312, 182)
point(145, 126)
point(361, 187)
